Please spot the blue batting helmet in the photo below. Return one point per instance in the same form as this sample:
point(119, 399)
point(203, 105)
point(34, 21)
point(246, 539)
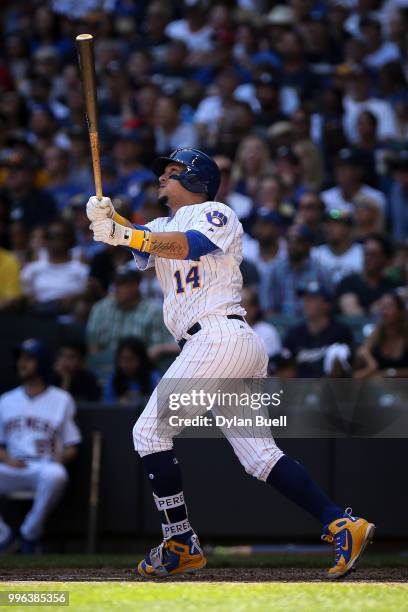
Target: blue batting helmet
point(40, 351)
point(201, 174)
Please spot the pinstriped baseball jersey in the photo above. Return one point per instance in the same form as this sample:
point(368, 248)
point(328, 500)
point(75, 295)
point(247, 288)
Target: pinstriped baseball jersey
point(40, 426)
point(210, 286)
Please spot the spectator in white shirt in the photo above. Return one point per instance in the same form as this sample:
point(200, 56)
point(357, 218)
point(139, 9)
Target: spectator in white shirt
point(340, 255)
point(211, 109)
point(52, 283)
point(193, 30)
point(379, 51)
point(254, 317)
point(349, 184)
point(358, 98)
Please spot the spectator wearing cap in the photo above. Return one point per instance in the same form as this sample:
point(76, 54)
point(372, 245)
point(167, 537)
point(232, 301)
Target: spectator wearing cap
point(311, 214)
point(398, 196)
point(267, 98)
point(385, 352)
point(349, 184)
point(28, 204)
point(320, 340)
point(126, 313)
point(359, 294)
point(38, 437)
point(169, 131)
point(282, 280)
point(59, 184)
point(131, 173)
point(71, 374)
point(254, 317)
point(340, 254)
point(52, 283)
point(358, 98)
point(267, 245)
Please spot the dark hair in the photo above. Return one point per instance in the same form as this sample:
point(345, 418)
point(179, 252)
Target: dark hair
point(174, 100)
point(68, 229)
point(120, 382)
point(371, 117)
point(385, 242)
point(74, 345)
point(379, 332)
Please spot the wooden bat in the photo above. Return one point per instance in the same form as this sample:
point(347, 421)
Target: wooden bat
point(87, 65)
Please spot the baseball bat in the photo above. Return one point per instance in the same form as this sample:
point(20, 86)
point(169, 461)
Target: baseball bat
point(87, 66)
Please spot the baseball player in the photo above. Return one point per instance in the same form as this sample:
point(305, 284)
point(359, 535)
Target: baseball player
point(37, 437)
point(196, 252)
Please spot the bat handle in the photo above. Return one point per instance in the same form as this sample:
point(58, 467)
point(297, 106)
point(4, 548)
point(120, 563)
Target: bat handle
point(93, 136)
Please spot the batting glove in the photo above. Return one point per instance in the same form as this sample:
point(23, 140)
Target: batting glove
point(98, 210)
point(110, 232)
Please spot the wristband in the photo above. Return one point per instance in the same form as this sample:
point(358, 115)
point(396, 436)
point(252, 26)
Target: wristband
point(138, 239)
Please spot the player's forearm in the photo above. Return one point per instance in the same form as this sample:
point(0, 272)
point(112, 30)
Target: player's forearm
point(170, 245)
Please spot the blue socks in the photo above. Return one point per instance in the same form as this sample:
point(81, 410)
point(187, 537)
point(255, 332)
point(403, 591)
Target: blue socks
point(288, 476)
point(291, 479)
point(164, 474)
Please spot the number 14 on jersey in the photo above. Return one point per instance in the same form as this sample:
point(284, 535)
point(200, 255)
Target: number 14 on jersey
point(192, 277)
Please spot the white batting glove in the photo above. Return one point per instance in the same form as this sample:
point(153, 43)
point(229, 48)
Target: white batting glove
point(96, 210)
point(110, 232)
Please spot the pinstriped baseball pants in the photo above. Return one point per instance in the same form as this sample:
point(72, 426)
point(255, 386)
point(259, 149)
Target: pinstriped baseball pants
point(223, 349)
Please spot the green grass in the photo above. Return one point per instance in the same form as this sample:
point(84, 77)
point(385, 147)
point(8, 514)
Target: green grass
point(214, 561)
point(224, 597)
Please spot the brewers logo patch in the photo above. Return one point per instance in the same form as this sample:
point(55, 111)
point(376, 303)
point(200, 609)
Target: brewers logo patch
point(217, 218)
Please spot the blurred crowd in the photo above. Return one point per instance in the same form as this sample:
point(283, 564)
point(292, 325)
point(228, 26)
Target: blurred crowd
point(304, 106)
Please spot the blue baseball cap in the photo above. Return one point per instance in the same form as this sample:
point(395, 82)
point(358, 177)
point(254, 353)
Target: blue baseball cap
point(39, 350)
point(315, 289)
point(269, 216)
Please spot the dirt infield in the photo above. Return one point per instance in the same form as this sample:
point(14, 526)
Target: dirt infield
point(205, 575)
